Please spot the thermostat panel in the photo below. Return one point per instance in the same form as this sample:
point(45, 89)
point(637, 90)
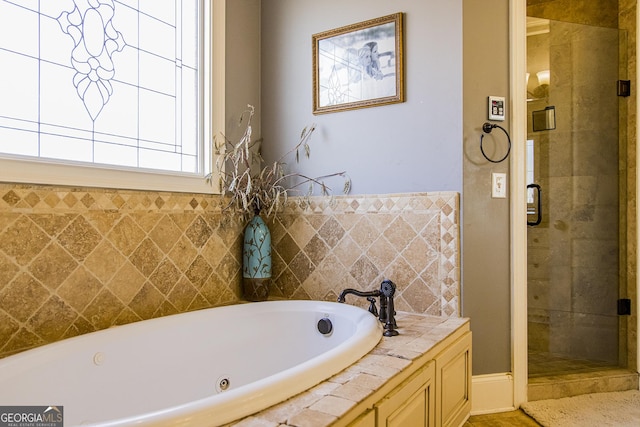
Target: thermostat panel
point(496, 108)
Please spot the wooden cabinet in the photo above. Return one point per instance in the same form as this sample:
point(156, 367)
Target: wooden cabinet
point(368, 419)
point(453, 379)
point(412, 403)
point(437, 393)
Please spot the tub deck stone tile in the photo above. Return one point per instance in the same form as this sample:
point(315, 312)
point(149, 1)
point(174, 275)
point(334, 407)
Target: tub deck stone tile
point(333, 405)
point(421, 344)
point(367, 381)
point(311, 418)
point(352, 392)
point(387, 343)
point(400, 353)
point(379, 371)
point(324, 388)
point(346, 375)
point(377, 360)
point(326, 403)
point(281, 412)
point(256, 422)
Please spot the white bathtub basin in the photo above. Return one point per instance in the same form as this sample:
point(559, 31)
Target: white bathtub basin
point(169, 371)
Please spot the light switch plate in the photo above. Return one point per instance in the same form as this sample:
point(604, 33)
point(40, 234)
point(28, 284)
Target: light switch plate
point(498, 185)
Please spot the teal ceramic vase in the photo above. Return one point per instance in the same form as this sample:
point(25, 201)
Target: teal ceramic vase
point(256, 260)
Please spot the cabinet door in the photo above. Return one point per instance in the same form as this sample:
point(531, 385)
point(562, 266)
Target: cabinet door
point(368, 419)
point(453, 377)
point(412, 403)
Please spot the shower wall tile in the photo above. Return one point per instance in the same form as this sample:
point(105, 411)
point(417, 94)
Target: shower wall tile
point(74, 260)
point(590, 296)
point(538, 330)
point(587, 212)
point(592, 12)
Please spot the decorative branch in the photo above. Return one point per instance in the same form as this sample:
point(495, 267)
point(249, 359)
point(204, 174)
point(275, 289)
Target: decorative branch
point(251, 192)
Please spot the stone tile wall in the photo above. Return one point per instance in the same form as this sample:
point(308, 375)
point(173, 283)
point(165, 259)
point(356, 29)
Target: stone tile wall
point(611, 14)
point(73, 261)
point(356, 242)
point(573, 254)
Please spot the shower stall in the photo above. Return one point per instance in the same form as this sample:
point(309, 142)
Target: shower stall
point(576, 165)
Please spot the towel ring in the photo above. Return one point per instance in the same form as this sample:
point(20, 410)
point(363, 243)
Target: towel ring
point(487, 128)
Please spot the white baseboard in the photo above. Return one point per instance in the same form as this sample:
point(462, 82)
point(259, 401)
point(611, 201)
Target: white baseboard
point(491, 393)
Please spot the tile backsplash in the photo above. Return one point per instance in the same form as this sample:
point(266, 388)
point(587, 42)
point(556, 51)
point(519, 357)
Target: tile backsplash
point(356, 242)
point(74, 260)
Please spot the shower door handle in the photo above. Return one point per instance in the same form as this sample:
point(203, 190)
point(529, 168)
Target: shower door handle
point(538, 210)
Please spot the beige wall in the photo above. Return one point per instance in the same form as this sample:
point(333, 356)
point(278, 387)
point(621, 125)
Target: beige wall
point(485, 221)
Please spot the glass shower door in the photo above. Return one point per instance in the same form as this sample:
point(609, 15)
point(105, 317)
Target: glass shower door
point(573, 156)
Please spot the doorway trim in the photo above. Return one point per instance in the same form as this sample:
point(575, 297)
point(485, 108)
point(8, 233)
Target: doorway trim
point(518, 109)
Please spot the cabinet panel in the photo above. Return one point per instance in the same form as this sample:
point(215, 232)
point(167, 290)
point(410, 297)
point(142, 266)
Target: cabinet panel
point(368, 419)
point(435, 390)
point(453, 376)
point(412, 403)
point(412, 413)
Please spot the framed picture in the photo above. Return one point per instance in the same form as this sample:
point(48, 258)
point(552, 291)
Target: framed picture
point(357, 66)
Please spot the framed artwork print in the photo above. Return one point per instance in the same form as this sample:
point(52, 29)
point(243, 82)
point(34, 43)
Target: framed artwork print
point(357, 66)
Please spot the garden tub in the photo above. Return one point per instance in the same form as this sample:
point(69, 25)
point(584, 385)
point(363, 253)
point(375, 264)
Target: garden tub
point(202, 368)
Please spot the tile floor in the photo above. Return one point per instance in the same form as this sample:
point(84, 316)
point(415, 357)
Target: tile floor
point(502, 419)
point(546, 372)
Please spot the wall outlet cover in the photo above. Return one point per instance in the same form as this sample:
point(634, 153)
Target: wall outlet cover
point(498, 185)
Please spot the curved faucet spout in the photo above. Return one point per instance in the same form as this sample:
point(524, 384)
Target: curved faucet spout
point(367, 294)
point(387, 309)
point(358, 293)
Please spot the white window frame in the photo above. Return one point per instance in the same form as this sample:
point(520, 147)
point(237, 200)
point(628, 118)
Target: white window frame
point(14, 169)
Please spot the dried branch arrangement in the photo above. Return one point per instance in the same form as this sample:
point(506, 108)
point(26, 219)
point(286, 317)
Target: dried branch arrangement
point(267, 189)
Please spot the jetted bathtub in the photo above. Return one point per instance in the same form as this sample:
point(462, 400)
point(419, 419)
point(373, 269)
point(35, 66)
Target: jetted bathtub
point(202, 368)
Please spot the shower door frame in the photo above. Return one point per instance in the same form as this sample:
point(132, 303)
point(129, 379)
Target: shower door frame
point(518, 228)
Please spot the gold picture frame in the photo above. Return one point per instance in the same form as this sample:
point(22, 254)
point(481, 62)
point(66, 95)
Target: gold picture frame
point(359, 65)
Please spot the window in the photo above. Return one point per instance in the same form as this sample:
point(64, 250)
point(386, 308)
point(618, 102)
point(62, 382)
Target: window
point(119, 86)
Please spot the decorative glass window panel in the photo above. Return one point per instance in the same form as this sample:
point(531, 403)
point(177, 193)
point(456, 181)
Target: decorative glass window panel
point(103, 82)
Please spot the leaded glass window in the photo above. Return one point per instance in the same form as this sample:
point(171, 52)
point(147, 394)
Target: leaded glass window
point(103, 82)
